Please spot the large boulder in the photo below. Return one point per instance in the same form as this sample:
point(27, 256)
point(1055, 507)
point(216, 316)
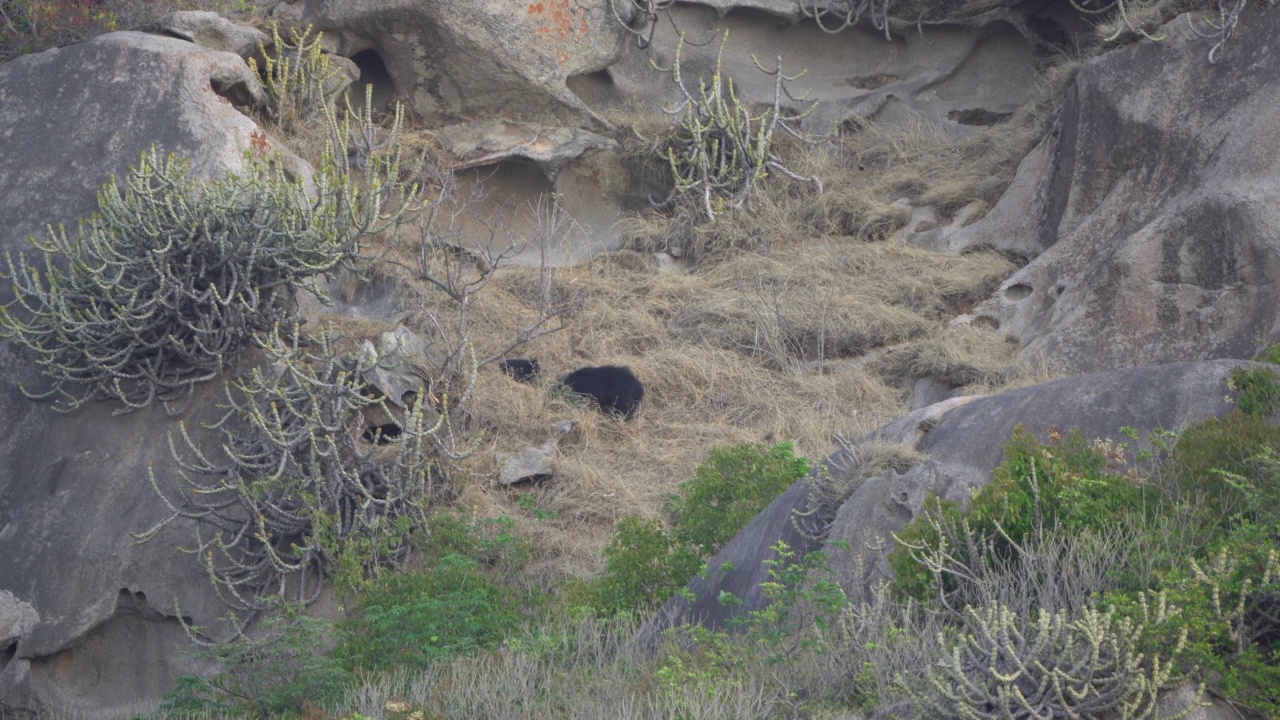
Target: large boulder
point(1151, 215)
point(94, 613)
point(963, 440)
point(958, 75)
point(476, 60)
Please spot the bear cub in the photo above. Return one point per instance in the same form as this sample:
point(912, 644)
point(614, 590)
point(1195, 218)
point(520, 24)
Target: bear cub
point(520, 369)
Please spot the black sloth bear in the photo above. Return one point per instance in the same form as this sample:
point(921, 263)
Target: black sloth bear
point(520, 369)
point(615, 389)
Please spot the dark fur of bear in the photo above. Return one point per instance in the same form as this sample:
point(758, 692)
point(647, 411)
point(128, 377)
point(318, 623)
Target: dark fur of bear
point(381, 434)
point(614, 388)
point(520, 369)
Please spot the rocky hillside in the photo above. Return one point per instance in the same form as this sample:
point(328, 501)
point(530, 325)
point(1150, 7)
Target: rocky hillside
point(946, 220)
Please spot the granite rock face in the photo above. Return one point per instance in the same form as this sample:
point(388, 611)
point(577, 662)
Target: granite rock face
point(1149, 218)
point(963, 439)
point(74, 486)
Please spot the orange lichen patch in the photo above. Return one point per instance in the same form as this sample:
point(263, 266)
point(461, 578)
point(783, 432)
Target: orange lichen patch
point(562, 21)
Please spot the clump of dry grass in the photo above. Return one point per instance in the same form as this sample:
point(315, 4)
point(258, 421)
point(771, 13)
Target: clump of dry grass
point(727, 355)
point(962, 356)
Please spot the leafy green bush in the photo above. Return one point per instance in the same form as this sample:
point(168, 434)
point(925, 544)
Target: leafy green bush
point(416, 618)
point(1258, 390)
point(279, 670)
point(643, 567)
point(1225, 469)
point(1228, 622)
point(730, 488)
point(1064, 486)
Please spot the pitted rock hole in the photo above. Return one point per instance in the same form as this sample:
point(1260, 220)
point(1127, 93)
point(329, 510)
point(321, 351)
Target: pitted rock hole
point(986, 322)
point(595, 89)
point(234, 89)
point(871, 82)
point(1017, 292)
point(978, 117)
point(373, 71)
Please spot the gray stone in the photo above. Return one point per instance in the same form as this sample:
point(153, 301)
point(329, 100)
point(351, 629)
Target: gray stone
point(16, 618)
point(963, 438)
point(520, 167)
point(534, 463)
point(1202, 706)
point(211, 30)
point(528, 465)
point(1149, 216)
point(102, 104)
point(75, 486)
point(398, 363)
point(478, 60)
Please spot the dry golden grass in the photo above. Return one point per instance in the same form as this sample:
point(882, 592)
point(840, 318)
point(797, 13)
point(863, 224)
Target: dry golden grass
point(762, 347)
point(797, 322)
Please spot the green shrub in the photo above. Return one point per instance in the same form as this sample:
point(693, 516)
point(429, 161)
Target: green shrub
point(299, 78)
point(1087, 666)
point(1227, 624)
point(1269, 354)
point(1258, 390)
point(721, 151)
point(295, 491)
point(279, 670)
point(730, 488)
point(1226, 469)
point(424, 616)
point(1065, 486)
point(491, 541)
point(643, 567)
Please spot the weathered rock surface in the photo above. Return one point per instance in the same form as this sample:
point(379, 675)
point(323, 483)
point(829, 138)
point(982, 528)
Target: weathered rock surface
point(520, 165)
point(16, 618)
point(1150, 217)
point(477, 60)
point(955, 76)
point(963, 439)
point(211, 30)
point(104, 102)
point(103, 640)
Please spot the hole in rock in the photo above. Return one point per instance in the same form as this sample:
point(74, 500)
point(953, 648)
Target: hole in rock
point(372, 72)
point(978, 116)
point(1017, 292)
point(595, 89)
point(986, 322)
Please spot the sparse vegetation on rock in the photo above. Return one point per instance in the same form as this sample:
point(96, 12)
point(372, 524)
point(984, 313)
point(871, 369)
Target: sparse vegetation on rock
point(721, 150)
point(164, 286)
